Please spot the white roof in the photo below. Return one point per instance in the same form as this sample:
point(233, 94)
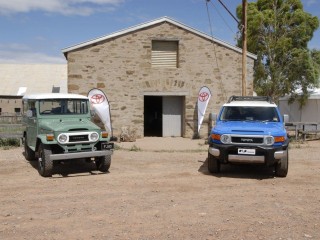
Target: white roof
point(151, 23)
point(250, 104)
point(313, 94)
point(54, 96)
point(20, 79)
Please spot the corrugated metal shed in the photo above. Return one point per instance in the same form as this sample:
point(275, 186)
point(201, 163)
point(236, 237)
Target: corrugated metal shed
point(310, 112)
point(20, 79)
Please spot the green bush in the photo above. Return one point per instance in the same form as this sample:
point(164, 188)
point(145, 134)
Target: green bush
point(134, 148)
point(9, 142)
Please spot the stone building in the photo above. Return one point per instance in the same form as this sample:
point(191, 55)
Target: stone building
point(152, 73)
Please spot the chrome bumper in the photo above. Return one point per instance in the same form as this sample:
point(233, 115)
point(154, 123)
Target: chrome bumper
point(76, 155)
point(214, 152)
point(247, 158)
point(280, 154)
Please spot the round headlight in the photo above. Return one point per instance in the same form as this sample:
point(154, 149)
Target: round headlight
point(63, 138)
point(269, 140)
point(94, 136)
point(225, 138)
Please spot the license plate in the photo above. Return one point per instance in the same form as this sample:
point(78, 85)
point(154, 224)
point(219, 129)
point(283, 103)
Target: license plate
point(107, 146)
point(246, 151)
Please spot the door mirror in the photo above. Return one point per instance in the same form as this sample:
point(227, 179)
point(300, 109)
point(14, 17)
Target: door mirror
point(29, 113)
point(285, 118)
point(214, 116)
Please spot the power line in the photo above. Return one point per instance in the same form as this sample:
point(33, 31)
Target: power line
point(221, 16)
point(225, 7)
point(230, 13)
point(215, 54)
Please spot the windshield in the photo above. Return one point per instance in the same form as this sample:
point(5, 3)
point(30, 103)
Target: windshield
point(63, 106)
point(266, 114)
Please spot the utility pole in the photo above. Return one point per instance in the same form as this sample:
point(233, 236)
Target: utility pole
point(244, 47)
point(244, 42)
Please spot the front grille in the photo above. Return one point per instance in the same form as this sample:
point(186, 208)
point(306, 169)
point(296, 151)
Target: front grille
point(247, 140)
point(78, 138)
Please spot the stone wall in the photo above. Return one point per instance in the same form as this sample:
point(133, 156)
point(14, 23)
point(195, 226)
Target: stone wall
point(121, 67)
point(8, 104)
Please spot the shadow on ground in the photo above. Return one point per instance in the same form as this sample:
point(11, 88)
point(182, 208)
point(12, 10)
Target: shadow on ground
point(71, 168)
point(248, 171)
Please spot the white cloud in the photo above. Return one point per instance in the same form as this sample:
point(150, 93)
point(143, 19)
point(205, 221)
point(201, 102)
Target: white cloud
point(310, 2)
point(65, 7)
point(19, 53)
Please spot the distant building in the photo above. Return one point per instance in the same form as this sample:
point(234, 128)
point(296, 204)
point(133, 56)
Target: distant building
point(20, 79)
point(309, 112)
point(152, 74)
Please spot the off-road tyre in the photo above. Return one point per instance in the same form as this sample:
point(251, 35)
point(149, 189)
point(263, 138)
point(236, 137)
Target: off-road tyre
point(213, 164)
point(281, 168)
point(45, 165)
point(103, 163)
point(28, 153)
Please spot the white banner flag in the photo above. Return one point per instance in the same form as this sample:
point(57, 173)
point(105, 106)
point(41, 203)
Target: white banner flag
point(203, 100)
point(100, 104)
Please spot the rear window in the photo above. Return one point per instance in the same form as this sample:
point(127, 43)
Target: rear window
point(63, 106)
point(239, 113)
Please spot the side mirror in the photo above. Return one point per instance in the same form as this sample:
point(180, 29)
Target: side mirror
point(214, 116)
point(29, 114)
point(285, 118)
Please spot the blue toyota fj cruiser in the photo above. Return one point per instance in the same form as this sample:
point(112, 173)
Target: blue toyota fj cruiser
point(249, 130)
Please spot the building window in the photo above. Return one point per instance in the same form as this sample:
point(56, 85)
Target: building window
point(17, 111)
point(55, 89)
point(164, 54)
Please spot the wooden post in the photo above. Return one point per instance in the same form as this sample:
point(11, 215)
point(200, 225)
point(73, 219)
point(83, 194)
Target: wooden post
point(244, 47)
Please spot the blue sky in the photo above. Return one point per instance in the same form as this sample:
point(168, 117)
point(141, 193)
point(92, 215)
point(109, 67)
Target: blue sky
point(35, 31)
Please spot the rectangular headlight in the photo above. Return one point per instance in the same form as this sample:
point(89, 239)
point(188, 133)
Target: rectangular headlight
point(104, 134)
point(215, 136)
point(279, 139)
point(50, 137)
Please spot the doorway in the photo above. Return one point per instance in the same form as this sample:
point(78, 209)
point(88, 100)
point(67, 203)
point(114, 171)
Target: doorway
point(163, 116)
point(153, 116)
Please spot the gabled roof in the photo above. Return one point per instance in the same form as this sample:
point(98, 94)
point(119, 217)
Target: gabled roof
point(151, 23)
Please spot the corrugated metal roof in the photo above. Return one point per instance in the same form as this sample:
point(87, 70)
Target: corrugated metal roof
point(20, 79)
point(151, 23)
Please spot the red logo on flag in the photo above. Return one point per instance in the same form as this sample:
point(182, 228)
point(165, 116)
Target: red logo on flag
point(97, 99)
point(203, 96)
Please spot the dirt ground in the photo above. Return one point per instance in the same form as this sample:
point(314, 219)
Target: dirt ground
point(159, 188)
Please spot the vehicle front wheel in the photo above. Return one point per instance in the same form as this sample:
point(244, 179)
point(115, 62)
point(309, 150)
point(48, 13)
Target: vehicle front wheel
point(28, 153)
point(213, 164)
point(281, 168)
point(45, 164)
point(103, 163)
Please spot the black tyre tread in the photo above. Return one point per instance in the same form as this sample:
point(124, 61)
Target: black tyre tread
point(28, 153)
point(281, 168)
point(45, 168)
point(213, 164)
point(103, 163)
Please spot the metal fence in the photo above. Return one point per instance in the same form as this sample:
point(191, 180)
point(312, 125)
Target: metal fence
point(10, 118)
point(11, 130)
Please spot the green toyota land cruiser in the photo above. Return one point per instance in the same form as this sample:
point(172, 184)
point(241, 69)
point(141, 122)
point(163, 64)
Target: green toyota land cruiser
point(58, 127)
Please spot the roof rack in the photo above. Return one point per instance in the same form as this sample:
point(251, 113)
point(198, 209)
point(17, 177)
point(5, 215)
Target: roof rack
point(250, 98)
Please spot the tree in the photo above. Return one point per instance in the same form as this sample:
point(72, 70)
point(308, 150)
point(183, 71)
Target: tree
point(278, 31)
